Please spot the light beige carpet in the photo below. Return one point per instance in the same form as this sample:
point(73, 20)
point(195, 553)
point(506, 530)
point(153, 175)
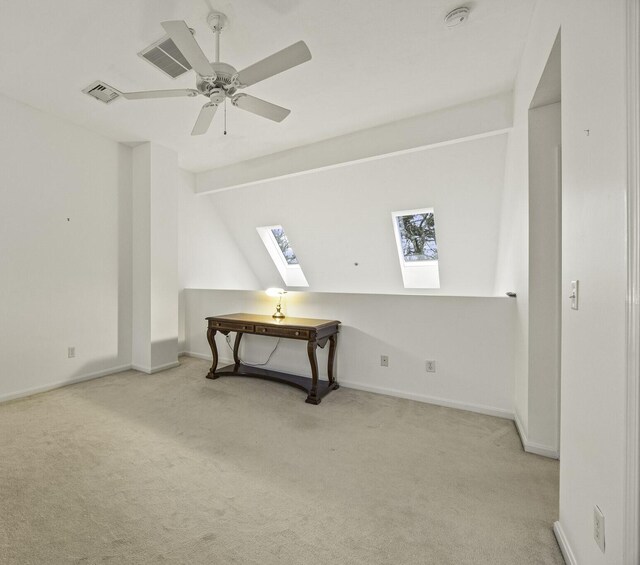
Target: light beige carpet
point(174, 468)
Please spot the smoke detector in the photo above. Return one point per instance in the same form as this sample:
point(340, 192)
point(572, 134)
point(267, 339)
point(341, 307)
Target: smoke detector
point(457, 17)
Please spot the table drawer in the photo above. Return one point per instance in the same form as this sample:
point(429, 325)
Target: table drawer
point(283, 332)
point(233, 326)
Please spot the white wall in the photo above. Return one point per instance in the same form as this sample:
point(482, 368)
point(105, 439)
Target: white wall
point(543, 389)
point(155, 256)
point(164, 256)
point(141, 250)
point(209, 257)
point(207, 254)
point(62, 283)
point(469, 338)
point(593, 352)
point(338, 217)
point(592, 451)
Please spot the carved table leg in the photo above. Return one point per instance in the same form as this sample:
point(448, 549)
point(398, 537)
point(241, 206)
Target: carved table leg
point(331, 363)
point(313, 360)
point(211, 338)
point(236, 348)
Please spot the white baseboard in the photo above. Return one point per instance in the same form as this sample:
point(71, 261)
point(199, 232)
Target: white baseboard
point(60, 384)
point(221, 361)
point(194, 354)
point(532, 447)
point(563, 542)
point(478, 408)
point(156, 369)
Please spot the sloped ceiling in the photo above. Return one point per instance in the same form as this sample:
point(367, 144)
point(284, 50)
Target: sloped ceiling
point(339, 217)
point(549, 89)
point(373, 62)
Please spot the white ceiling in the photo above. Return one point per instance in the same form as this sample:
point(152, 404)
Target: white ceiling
point(373, 62)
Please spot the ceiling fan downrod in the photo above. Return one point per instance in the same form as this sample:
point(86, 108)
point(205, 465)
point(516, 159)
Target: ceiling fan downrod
point(216, 22)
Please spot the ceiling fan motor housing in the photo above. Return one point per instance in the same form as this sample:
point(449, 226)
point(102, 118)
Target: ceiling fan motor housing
point(224, 80)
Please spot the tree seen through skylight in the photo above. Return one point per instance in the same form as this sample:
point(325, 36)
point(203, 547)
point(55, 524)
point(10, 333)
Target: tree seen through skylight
point(283, 244)
point(418, 237)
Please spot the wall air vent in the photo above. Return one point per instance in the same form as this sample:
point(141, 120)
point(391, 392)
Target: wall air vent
point(164, 55)
point(102, 91)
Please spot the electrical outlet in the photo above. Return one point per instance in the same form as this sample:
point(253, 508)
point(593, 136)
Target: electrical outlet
point(71, 352)
point(384, 360)
point(431, 366)
point(598, 527)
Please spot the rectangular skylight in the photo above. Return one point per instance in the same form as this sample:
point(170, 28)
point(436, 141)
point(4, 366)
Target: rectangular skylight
point(284, 258)
point(415, 233)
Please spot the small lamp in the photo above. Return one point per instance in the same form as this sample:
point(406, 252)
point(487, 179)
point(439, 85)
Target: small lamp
point(277, 292)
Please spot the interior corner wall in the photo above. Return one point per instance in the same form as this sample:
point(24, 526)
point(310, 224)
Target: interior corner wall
point(208, 255)
point(512, 261)
point(65, 274)
point(545, 263)
point(593, 379)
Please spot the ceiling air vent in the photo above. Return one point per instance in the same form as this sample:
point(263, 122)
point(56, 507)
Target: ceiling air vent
point(102, 91)
point(164, 55)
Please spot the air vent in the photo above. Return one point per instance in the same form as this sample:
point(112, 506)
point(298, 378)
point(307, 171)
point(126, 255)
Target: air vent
point(164, 55)
point(102, 91)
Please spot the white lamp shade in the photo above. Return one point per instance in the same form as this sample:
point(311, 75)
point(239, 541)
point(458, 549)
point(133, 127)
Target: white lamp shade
point(276, 292)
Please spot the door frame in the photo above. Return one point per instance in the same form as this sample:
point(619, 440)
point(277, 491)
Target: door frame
point(632, 468)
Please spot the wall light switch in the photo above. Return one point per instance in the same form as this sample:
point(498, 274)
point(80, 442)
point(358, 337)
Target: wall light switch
point(575, 285)
point(71, 352)
point(431, 366)
point(384, 360)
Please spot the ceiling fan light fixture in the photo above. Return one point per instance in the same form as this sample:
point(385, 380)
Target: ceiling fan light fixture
point(217, 96)
point(457, 17)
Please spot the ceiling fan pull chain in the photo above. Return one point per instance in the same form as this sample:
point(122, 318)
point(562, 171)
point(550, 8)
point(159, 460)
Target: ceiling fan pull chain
point(225, 116)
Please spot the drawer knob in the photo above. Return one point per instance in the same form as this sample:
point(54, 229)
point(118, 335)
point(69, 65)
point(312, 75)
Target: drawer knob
point(297, 333)
point(264, 330)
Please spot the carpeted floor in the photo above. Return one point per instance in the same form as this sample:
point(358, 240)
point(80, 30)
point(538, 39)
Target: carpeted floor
point(174, 468)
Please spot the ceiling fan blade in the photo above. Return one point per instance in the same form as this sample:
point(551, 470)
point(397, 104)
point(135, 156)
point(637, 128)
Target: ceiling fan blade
point(159, 94)
point(260, 107)
point(291, 56)
point(204, 119)
point(181, 35)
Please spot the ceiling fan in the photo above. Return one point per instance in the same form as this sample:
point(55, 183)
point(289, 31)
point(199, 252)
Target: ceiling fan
point(219, 81)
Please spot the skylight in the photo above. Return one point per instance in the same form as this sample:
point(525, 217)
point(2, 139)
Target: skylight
point(283, 244)
point(284, 258)
point(415, 233)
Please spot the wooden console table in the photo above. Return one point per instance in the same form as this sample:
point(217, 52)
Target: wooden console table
point(315, 332)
